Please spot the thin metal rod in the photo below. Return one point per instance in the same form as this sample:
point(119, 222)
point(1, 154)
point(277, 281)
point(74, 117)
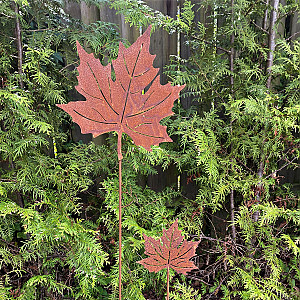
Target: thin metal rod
point(168, 284)
point(120, 157)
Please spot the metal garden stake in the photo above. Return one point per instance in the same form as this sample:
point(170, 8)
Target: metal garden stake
point(123, 105)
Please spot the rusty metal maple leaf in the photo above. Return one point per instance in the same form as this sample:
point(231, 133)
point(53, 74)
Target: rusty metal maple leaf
point(121, 105)
point(170, 251)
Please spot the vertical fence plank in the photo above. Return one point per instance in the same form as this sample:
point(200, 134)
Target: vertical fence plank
point(295, 26)
point(126, 31)
point(89, 13)
point(163, 45)
point(73, 9)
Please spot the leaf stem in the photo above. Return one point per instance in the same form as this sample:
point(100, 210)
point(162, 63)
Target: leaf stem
point(120, 157)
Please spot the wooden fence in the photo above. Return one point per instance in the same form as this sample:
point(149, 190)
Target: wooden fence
point(162, 43)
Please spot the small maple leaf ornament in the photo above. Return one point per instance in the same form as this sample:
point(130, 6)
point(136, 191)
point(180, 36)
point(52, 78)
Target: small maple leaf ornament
point(122, 105)
point(170, 251)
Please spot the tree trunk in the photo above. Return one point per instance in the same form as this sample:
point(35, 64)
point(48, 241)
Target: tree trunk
point(231, 63)
point(272, 43)
point(259, 187)
point(270, 60)
point(265, 20)
point(19, 44)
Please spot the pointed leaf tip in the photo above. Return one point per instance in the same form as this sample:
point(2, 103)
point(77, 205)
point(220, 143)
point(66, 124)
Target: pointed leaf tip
point(78, 45)
point(148, 30)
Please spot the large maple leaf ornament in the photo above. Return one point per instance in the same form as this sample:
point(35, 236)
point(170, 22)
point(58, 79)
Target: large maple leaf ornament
point(121, 105)
point(170, 251)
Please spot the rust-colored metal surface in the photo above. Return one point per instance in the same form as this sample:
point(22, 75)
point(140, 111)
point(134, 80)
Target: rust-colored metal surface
point(122, 105)
point(170, 251)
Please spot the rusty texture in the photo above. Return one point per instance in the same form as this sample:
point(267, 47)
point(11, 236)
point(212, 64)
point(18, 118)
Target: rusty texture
point(170, 251)
point(123, 105)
